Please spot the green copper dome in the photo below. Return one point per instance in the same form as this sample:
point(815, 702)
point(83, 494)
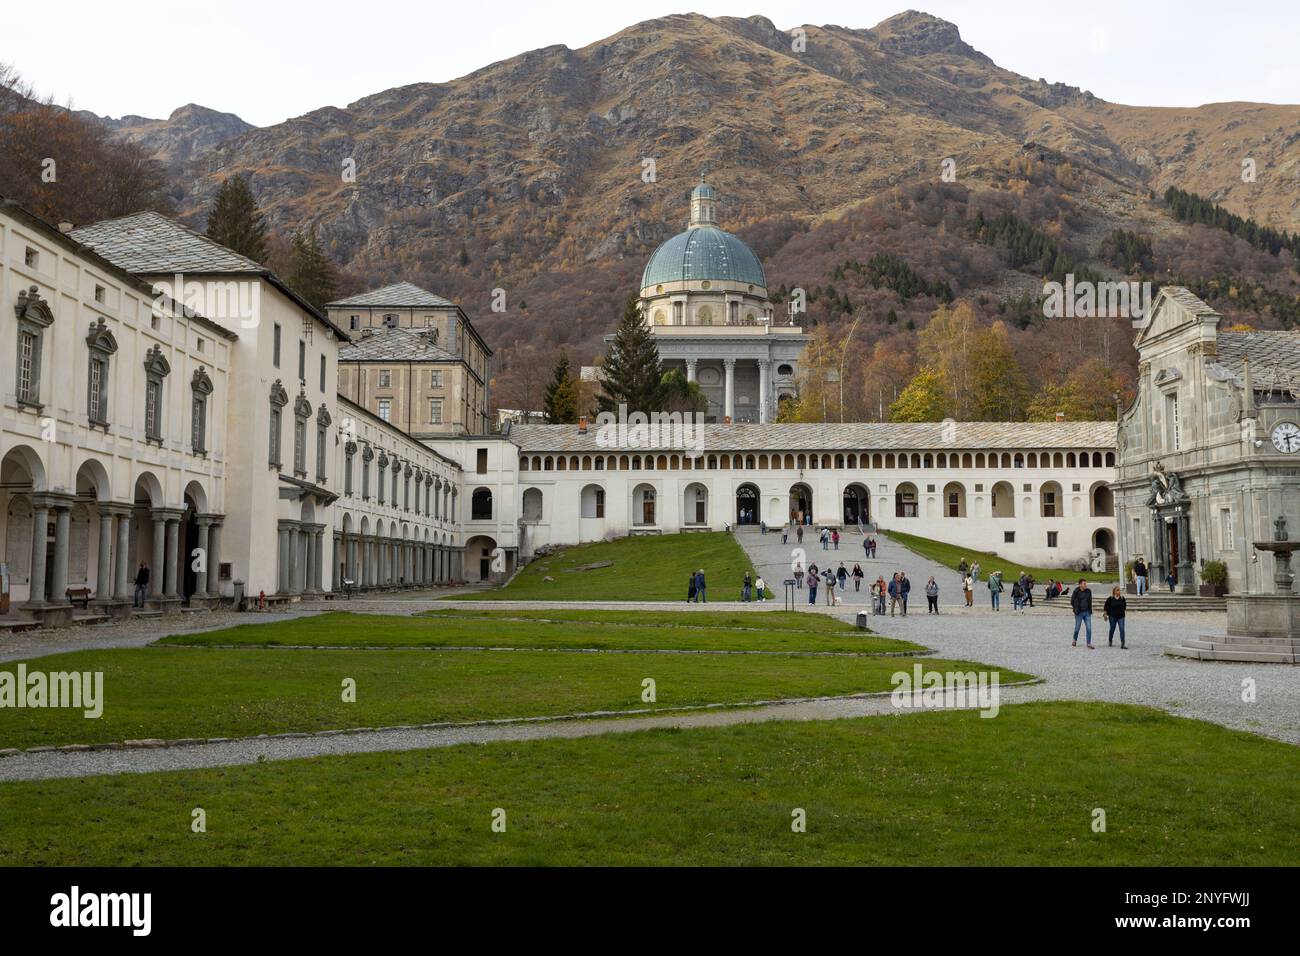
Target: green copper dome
point(703, 253)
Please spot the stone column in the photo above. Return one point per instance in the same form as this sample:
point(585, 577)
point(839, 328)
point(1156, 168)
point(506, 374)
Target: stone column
point(295, 559)
point(173, 544)
point(282, 565)
point(201, 578)
point(729, 389)
point(124, 583)
point(159, 554)
point(214, 559)
point(309, 564)
point(104, 574)
point(690, 369)
point(319, 537)
point(40, 530)
point(62, 536)
point(764, 389)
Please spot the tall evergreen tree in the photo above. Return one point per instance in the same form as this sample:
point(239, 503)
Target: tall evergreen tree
point(631, 373)
point(311, 274)
point(561, 402)
point(236, 222)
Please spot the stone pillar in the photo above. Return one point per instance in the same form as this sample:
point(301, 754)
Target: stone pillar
point(104, 574)
point(124, 582)
point(295, 559)
point(62, 536)
point(318, 584)
point(729, 389)
point(159, 554)
point(173, 543)
point(690, 369)
point(764, 390)
point(40, 531)
point(282, 565)
point(201, 579)
point(214, 559)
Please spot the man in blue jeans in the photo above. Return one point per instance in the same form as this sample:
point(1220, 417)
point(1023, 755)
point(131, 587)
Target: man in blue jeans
point(1081, 604)
point(700, 595)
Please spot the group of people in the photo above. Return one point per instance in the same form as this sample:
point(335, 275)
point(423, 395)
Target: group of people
point(828, 579)
point(1142, 577)
point(1022, 589)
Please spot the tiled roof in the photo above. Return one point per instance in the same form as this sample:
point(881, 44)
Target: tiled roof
point(149, 243)
point(1187, 300)
point(859, 436)
point(399, 295)
point(393, 345)
point(1274, 357)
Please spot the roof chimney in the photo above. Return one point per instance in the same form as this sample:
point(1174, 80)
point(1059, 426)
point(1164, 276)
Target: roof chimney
point(66, 227)
point(582, 425)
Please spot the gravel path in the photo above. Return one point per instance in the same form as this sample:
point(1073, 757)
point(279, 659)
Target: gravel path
point(1035, 642)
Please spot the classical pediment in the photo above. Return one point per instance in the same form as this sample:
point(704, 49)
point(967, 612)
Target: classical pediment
point(1174, 308)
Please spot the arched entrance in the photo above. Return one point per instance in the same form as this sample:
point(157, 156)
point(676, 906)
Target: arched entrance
point(195, 503)
point(1103, 501)
point(695, 504)
point(857, 504)
point(801, 503)
point(1103, 540)
point(643, 505)
point(905, 500)
point(746, 504)
point(478, 558)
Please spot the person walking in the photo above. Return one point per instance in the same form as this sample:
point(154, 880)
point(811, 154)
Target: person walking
point(975, 572)
point(1017, 595)
point(747, 588)
point(866, 547)
point(785, 533)
point(835, 538)
point(141, 585)
point(882, 593)
point(690, 589)
point(701, 594)
point(877, 591)
point(968, 590)
point(798, 533)
point(873, 547)
point(813, 581)
point(1081, 604)
point(760, 588)
point(1113, 611)
point(842, 577)
point(825, 538)
point(893, 594)
point(995, 589)
point(857, 577)
point(904, 589)
point(1171, 579)
point(932, 596)
point(1028, 582)
point(828, 576)
point(798, 575)
point(963, 567)
point(1140, 574)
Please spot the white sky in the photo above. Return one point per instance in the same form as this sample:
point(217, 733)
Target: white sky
point(268, 60)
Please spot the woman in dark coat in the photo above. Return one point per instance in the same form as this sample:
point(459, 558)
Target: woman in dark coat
point(1113, 611)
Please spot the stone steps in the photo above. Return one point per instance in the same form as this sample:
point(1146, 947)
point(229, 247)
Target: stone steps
point(1243, 650)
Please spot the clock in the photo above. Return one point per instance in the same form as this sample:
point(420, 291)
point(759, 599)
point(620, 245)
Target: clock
point(1286, 437)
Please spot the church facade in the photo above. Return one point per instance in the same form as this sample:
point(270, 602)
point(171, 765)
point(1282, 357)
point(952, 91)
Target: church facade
point(704, 296)
point(1209, 451)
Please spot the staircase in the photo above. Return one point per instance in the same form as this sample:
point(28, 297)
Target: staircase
point(1272, 650)
point(1151, 601)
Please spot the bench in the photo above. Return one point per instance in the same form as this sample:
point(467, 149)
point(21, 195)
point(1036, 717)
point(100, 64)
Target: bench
point(78, 594)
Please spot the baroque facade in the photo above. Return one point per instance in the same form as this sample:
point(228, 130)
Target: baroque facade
point(1209, 451)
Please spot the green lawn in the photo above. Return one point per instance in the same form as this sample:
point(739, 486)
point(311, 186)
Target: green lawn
point(625, 630)
point(942, 789)
point(175, 692)
point(950, 555)
point(644, 568)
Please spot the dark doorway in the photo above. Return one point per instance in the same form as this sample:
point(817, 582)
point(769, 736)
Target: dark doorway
point(746, 504)
point(484, 568)
point(1171, 532)
point(189, 541)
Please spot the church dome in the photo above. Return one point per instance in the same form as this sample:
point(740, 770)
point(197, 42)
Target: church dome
point(704, 253)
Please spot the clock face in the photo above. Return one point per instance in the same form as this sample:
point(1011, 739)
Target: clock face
point(1286, 437)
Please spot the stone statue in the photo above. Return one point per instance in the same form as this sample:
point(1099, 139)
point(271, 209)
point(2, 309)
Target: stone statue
point(1157, 489)
point(1279, 526)
point(1176, 492)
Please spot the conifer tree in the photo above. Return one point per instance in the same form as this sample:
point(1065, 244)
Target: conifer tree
point(236, 222)
point(561, 402)
point(311, 274)
point(631, 372)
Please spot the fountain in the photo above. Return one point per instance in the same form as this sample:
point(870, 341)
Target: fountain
point(1261, 627)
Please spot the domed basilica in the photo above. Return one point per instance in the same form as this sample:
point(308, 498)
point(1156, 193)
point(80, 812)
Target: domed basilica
point(704, 295)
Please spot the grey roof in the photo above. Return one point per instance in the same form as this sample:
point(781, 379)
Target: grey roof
point(1274, 357)
point(1189, 301)
point(857, 437)
point(399, 295)
point(393, 345)
point(149, 243)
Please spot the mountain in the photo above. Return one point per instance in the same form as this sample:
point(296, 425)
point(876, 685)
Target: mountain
point(527, 175)
point(188, 132)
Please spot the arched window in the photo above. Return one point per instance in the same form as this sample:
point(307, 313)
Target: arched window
point(322, 445)
point(301, 412)
point(34, 317)
point(279, 399)
point(532, 504)
point(200, 389)
point(102, 346)
point(156, 368)
point(480, 506)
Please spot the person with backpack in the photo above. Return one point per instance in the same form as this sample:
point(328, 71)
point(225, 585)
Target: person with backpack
point(932, 596)
point(1081, 605)
point(857, 577)
point(995, 589)
point(1113, 611)
point(1017, 595)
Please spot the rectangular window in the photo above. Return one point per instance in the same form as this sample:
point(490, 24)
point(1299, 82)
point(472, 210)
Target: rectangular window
point(1225, 524)
point(152, 397)
point(198, 424)
point(1009, 537)
point(275, 345)
point(347, 475)
point(1173, 440)
point(1051, 539)
point(435, 411)
point(365, 479)
point(354, 322)
point(385, 378)
point(321, 446)
point(1049, 505)
point(482, 461)
point(99, 294)
point(273, 455)
point(27, 367)
point(300, 447)
point(435, 378)
point(390, 321)
point(385, 408)
point(302, 361)
point(322, 372)
point(96, 403)
point(32, 258)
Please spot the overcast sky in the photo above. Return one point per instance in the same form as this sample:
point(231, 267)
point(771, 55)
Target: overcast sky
point(268, 60)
